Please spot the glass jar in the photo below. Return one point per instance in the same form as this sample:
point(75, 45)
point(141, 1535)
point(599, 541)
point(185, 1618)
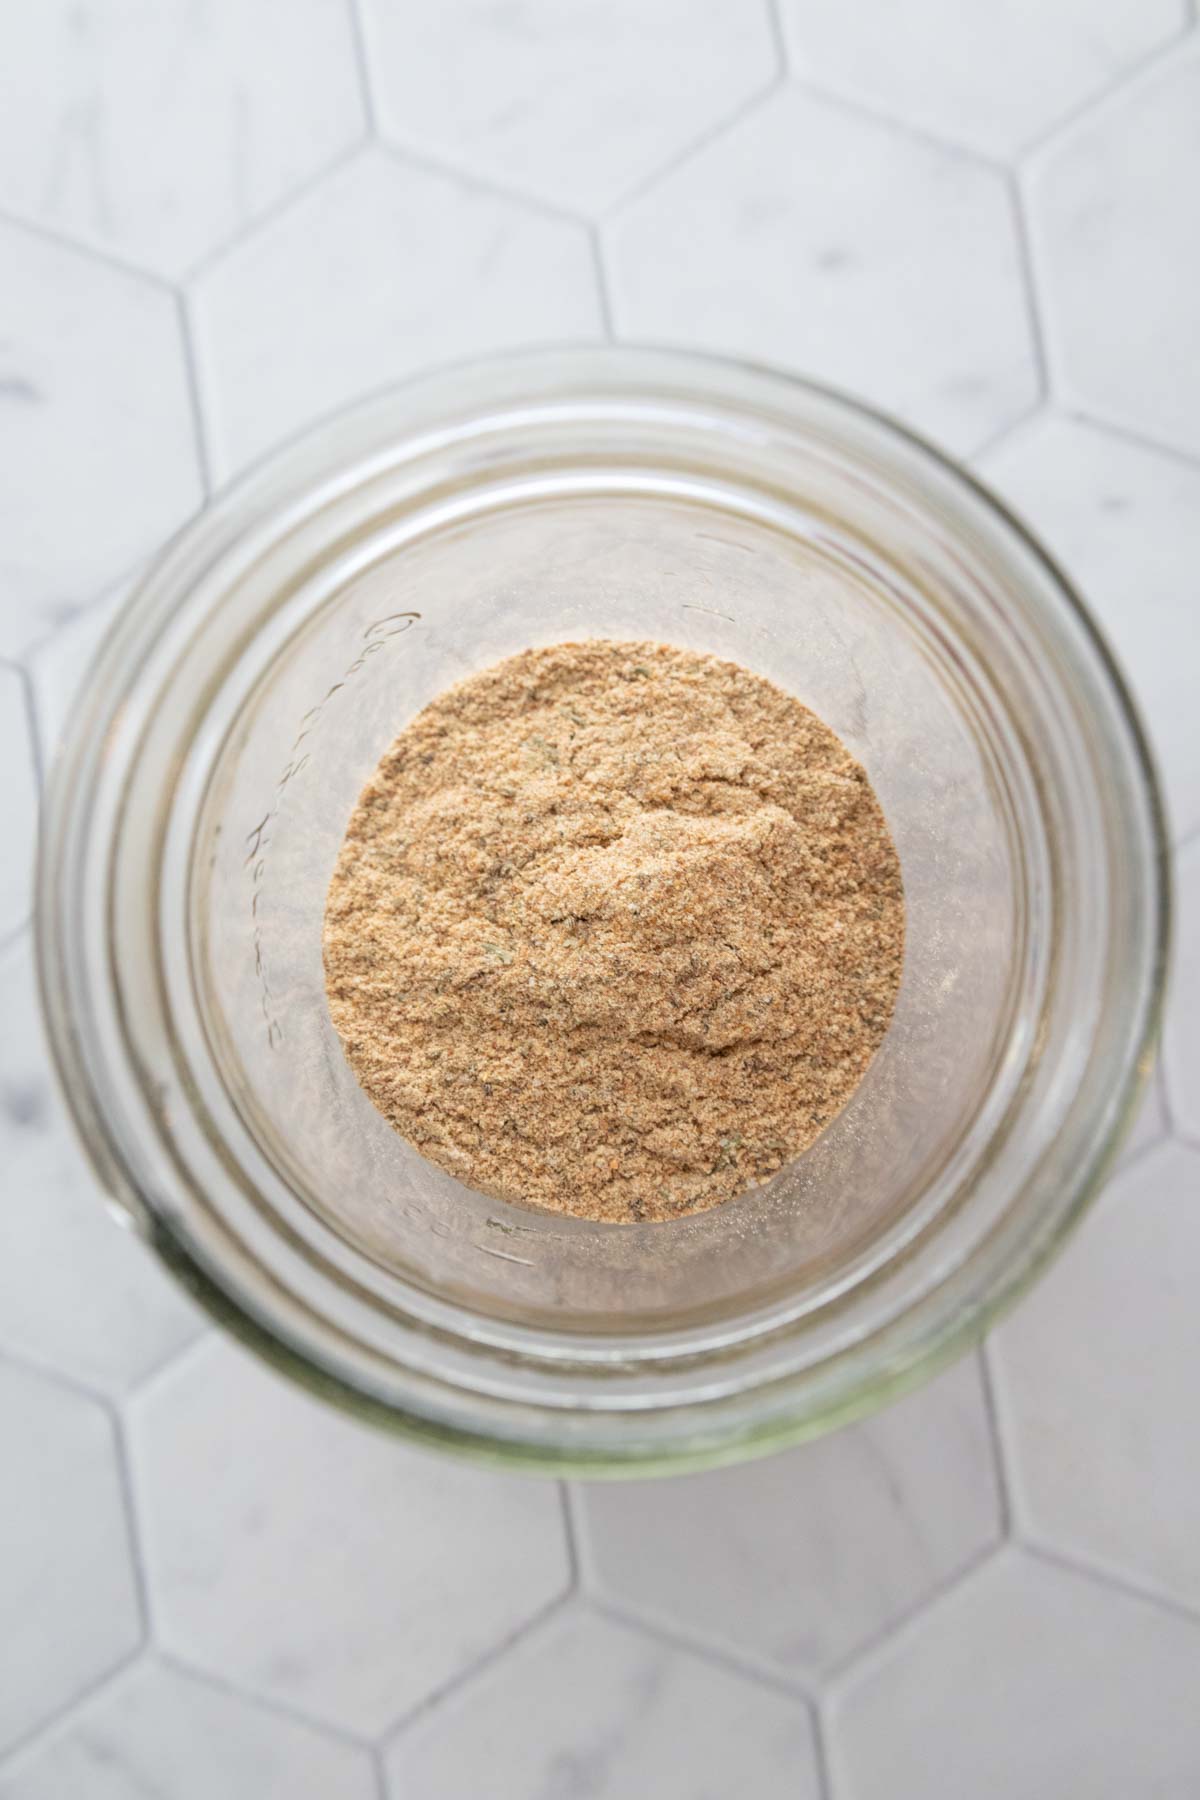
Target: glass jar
point(248, 689)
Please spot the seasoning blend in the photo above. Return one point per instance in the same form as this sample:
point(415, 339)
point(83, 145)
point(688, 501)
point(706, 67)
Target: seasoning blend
point(616, 930)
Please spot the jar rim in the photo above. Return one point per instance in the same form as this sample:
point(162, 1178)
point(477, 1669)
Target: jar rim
point(83, 1000)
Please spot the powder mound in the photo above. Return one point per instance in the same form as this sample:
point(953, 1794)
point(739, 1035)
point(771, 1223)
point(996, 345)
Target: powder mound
point(616, 930)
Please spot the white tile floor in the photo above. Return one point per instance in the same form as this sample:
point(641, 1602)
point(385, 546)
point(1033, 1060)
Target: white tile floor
point(98, 457)
point(219, 221)
point(399, 266)
point(809, 1555)
point(164, 138)
point(812, 237)
point(294, 1553)
point(1124, 518)
point(1116, 241)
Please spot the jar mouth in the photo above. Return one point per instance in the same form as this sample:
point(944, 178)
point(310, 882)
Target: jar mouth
point(240, 697)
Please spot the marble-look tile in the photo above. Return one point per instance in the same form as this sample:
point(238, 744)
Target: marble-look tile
point(1028, 1683)
point(842, 248)
point(1096, 1376)
point(398, 269)
point(800, 1558)
point(156, 132)
point(158, 1734)
point(18, 801)
point(1116, 234)
point(67, 1595)
point(97, 446)
point(78, 1292)
point(59, 665)
point(1125, 523)
point(313, 1560)
point(573, 104)
point(1181, 1033)
point(617, 1715)
point(990, 76)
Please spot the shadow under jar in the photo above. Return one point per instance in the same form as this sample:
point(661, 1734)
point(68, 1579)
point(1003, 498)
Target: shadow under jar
point(247, 691)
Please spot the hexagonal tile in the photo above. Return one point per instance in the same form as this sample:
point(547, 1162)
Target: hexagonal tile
point(59, 664)
point(157, 1731)
point(986, 75)
point(571, 104)
point(1181, 1034)
point(1117, 240)
point(842, 248)
point(77, 1292)
point(617, 1715)
point(157, 132)
point(1096, 1374)
point(802, 1557)
point(97, 451)
point(308, 1558)
point(18, 804)
point(67, 1594)
point(1029, 1681)
point(1125, 522)
point(398, 269)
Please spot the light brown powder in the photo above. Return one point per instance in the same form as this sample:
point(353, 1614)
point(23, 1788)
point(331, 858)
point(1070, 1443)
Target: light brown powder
point(615, 930)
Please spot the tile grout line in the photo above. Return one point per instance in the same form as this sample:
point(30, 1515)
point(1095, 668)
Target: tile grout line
point(843, 100)
point(1027, 265)
point(133, 1526)
point(1130, 78)
point(30, 1365)
point(779, 35)
point(1103, 1577)
point(11, 947)
point(61, 1719)
point(58, 1721)
point(713, 1651)
point(1081, 414)
point(12, 935)
point(358, 32)
point(1003, 1437)
point(1162, 1086)
point(879, 1642)
point(683, 1642)
point(217, 254)
point(1133, 1159)
point(125, 577)
point(207, 1335)
point(603, 286)
point(821, 1740)
point(999, 1453)
point(475, 1669)
point(580, 1540)
point(379, 1771)
point(435, 163)
point(570, 1538)
point(704, 140)
point(1076, 412)
point(151, 1650)
point(200, 436)
point(107, 259)
point(37, 749)
point(416, 156)
point(997, 439)
point(258, 1701)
